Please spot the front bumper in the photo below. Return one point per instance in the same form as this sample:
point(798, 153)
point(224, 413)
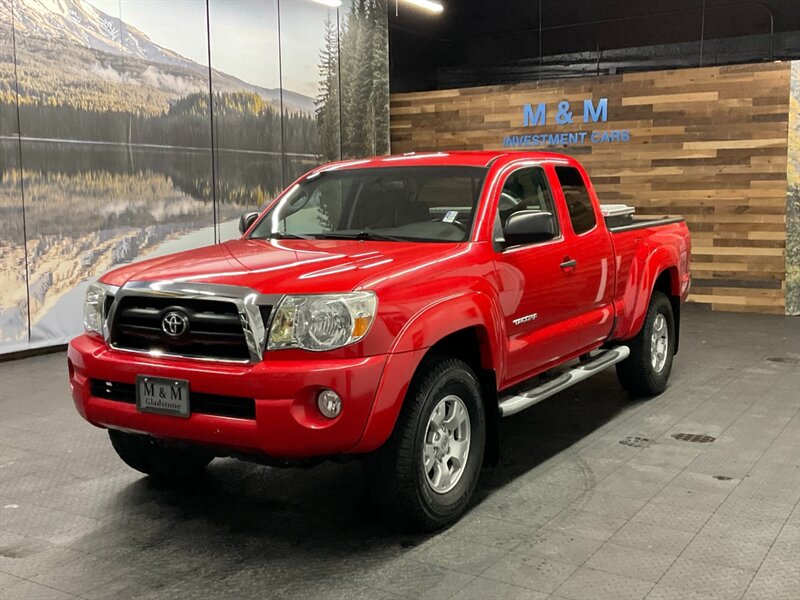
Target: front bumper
point(287, 423)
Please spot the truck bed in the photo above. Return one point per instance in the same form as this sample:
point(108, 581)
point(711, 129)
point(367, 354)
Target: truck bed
point(641, 223)
point(621, 217)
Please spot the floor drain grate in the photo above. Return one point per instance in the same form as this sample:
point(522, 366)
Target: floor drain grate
point(697, 438)
point(635, 441)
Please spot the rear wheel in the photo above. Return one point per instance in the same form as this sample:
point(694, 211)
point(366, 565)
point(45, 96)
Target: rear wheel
point(152, 457)
point(646, 371)
point(426, 473)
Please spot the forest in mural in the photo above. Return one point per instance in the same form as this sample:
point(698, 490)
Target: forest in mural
point(351, 116)
point(793, 198)
point(132, 129)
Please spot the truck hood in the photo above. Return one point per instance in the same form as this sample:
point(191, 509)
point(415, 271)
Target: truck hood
point(285, 266)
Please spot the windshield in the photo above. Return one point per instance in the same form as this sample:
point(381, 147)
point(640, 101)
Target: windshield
point(430, 204)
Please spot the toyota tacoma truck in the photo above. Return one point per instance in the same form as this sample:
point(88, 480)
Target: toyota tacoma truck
point(394, 308)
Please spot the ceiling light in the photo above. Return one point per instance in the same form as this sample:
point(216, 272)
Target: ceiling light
point(429, 5)
point(331, 3)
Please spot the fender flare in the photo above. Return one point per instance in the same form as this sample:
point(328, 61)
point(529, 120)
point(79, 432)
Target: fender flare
point(451, 314)
point(430, 325)
point(662, 258)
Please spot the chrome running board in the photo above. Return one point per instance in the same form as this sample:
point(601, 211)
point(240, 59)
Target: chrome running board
point(520, 401)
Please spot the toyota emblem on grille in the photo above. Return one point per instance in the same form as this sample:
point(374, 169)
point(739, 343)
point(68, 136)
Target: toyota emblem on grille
point(175, 324)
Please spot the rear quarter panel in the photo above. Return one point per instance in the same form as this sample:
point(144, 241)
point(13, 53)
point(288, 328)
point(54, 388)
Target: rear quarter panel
point(641, 256)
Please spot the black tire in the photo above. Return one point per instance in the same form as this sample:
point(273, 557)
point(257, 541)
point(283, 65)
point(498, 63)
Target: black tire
point(152, 457)
point(397, 469)
point(637, 373)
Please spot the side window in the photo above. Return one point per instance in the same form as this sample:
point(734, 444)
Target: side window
point(525, 189)
point(579, 205)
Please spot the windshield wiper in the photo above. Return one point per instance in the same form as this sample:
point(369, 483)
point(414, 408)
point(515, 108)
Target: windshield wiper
point(285, 235)
point(361, 235)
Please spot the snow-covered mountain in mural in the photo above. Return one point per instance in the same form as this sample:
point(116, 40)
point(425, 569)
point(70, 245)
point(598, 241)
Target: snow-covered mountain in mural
point(79, 24)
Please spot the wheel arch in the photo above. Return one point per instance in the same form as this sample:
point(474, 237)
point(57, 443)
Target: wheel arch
point(660, 273)
point(668, 282)
point(472, 345)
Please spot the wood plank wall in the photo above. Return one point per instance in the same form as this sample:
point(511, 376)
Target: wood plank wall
point(708, 143)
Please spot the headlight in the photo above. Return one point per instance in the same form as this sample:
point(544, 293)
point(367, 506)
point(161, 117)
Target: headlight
point(322, 322)
point(93, 306)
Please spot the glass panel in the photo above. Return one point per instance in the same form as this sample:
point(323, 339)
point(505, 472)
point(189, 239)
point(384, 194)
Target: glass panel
point(793, 197)
point(309, 74)
point(68, 70)
point(13, 284)
point(166, 53)
point(8, 114)
point(364, 78)
point(116, 149)
point(247, 114)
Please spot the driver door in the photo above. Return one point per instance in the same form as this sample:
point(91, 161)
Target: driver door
point(533, 287)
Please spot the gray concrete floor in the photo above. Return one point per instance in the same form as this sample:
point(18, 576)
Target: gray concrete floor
point(594, 498)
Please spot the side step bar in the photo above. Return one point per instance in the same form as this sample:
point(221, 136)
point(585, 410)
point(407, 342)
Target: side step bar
point(513, 404)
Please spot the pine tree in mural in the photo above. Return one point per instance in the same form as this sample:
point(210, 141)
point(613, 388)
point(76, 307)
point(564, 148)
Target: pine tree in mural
point(379, 100)
point(352, 117)
point(363, 88)
point(328, 99)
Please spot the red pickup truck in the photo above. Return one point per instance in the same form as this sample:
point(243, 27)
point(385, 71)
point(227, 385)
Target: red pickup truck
point(393, 307)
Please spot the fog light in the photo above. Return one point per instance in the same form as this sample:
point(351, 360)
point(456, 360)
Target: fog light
point(329, 403)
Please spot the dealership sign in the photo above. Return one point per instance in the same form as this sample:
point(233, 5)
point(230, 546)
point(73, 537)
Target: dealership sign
point(565, 115)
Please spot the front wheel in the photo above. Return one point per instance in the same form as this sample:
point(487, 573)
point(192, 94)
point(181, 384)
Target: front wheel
point(646, 371)
point(426, 473)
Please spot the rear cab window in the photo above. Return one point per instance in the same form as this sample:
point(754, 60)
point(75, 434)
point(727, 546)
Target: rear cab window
point(579, 203)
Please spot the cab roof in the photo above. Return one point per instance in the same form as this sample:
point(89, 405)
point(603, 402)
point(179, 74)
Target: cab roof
point(465, 158)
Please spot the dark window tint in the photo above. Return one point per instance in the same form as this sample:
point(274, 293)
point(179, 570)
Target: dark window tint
point(579, 205)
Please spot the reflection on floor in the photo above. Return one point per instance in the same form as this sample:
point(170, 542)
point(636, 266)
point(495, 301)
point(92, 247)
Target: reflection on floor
point(597, 496)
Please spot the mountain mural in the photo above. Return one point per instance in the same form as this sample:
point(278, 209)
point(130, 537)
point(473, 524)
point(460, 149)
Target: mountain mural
point(101, 48)
point(127, 152)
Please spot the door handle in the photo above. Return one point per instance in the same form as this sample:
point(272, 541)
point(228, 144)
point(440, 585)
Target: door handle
point(568, 263)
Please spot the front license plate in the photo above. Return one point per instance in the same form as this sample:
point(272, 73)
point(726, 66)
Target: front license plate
point(163, 396)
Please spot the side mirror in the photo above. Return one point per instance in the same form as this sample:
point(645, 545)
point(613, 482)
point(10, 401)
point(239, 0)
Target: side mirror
point(246, 220)
point(528, 227)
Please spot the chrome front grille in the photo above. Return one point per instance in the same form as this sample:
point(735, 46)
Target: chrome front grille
point(201, 321)
point(214, 329)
